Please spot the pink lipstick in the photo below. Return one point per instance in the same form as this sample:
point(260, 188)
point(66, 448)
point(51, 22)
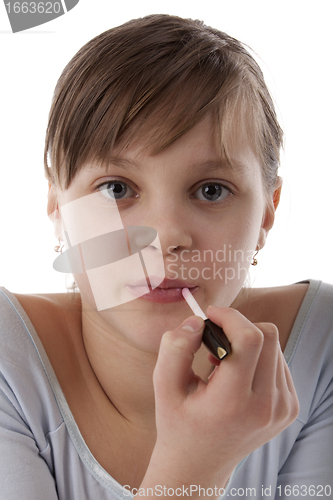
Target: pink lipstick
point(163, 292)
point(213, 336)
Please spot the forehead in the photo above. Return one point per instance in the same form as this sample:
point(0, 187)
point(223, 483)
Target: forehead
point(210, 144)
point(199, 142)
point(200, 149)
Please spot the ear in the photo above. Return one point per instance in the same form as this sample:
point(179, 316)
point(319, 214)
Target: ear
point(277, 193)
point(269, 214)
point(53, 210)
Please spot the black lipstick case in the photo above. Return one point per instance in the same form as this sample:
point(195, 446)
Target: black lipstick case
point(216, 340)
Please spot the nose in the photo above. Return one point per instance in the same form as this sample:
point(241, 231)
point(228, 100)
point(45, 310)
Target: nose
point(173, 228)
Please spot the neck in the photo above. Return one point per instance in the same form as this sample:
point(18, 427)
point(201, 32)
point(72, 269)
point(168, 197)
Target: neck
point(124, 372)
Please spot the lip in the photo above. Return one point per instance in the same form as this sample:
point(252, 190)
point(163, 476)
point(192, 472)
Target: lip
point(169, 290)
point(155, 281)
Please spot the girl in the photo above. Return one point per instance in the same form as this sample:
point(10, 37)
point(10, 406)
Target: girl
point(162, 153)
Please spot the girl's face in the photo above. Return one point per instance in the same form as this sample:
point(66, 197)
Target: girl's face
point(209, 218)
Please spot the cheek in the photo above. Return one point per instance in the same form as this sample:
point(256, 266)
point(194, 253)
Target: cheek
point(109, 286)
point(82, 282)
point(245, 225)
point(128, 321)
point(235, 236)
point(225, 251)
point(107, 256)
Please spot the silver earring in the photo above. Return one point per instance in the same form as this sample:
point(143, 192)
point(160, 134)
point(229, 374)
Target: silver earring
point(254, 261)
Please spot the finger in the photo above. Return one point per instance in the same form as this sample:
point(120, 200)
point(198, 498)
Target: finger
point(290, 386)
point(214, 361)
point(293, 399)
point(265, 378)
point(173, 371)
point(283, 375)
point(287, 374)
point(289, 405)
point(238, 368)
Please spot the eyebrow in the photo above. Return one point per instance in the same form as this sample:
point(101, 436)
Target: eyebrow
point(198, 167)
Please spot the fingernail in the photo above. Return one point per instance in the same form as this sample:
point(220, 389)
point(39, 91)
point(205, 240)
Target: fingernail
point(213, 308)
point(192, 324)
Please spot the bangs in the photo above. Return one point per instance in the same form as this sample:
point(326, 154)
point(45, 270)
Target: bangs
point(153, 79)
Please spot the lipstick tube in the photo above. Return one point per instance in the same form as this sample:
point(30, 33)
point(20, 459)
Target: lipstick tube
point(213, 336)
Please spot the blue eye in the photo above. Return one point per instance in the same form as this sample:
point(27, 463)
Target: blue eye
point(114, 189)
point(213, 191)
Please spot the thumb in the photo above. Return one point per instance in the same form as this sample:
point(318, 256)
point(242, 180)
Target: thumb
point(173, 372)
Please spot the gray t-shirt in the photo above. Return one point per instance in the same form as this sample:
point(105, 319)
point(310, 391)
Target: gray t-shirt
point(44, 457)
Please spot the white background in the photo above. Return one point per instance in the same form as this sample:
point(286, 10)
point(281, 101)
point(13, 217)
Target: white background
point(294, 42)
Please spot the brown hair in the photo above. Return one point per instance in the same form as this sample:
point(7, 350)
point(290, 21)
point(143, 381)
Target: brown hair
point(157, 76)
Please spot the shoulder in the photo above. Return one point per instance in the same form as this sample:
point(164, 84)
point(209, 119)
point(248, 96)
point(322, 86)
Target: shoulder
point(27, 401)
point(278, 305)
point(49, 309)
point(44, 313)
point(267, 304)
point(51, 301)
point(20, 311)
point(55, 317)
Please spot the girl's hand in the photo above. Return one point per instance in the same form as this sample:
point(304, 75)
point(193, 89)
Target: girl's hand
point(205, 429)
